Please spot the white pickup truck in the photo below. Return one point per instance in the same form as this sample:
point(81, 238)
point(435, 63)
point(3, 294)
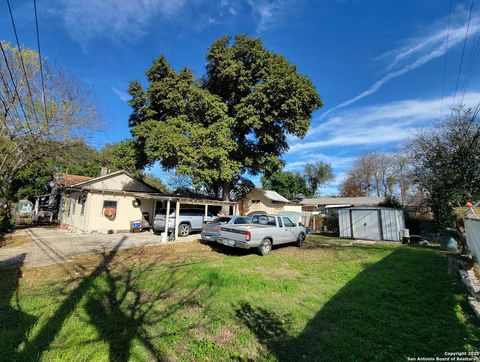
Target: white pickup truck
point(263, 232)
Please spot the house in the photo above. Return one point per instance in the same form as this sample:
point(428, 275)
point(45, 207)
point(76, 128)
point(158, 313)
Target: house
point(110, 202)
point(268, 201)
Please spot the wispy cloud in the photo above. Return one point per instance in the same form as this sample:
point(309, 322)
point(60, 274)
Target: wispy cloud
point(389, 123)
point(110, 19)
point(269, 12)
point(120, 94)
point(127, 21)
point(417, 52)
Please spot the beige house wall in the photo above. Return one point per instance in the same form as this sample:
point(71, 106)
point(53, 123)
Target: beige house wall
point(265, 204)
point(121, 182)
point(93, 219)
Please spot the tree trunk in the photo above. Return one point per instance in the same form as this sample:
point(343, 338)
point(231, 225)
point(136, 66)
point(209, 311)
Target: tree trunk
point(227, 187)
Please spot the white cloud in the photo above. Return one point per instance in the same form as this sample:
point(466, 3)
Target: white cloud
point(269, 12)
point(126, 21)
point(118, 21)
point(389, 123)
point(120, 94)
point(417, 52)
point(309, 157)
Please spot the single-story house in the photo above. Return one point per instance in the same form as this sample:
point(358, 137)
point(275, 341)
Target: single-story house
point(268, 201)
point(110, 202)
point(322, 204)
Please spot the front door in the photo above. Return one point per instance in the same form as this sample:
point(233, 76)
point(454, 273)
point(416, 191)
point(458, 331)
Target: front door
point(366, 224)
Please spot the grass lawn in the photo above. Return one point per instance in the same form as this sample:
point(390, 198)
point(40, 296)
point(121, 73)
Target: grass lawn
point(326, 301)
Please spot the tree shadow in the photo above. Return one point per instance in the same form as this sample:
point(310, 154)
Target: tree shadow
point(121, 311)
point(402, 306)
point(113, 299)
point(14, 322)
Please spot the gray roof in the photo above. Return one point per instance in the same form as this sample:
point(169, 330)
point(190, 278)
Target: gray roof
point(322, 201)
point(274, 196)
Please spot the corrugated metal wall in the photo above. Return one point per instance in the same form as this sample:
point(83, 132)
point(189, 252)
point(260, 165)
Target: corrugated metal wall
point(344, 223)
point(371, 223)
point(366, 224)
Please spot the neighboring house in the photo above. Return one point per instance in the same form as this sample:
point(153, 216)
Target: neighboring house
point(110, 202)
point(268, 201)
point(322, 204)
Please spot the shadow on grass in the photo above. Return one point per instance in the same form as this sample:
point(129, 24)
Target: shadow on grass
point(111, 295)
point(11, 314)
point(404, 305)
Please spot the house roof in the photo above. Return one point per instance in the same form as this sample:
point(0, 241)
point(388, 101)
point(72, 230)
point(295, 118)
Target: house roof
point(85, 184)
point(62, 179)
point(273, 195)
point(323, 201)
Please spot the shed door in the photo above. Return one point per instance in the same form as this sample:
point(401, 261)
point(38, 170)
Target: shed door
point(366, 224)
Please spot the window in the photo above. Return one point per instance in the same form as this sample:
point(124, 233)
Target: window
point(266, 220)
point(255, 201)
point(222, 220)
point(288, 223)
point(109, 205)
point(242, 220)
point(280, 222)
point(82, 200)
point(255, 219)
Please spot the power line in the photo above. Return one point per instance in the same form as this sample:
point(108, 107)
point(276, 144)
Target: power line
point(463, 51)
point(40, 60)
point(13, 82)
point(473, 59)
point(445, 58)
point(21, 61)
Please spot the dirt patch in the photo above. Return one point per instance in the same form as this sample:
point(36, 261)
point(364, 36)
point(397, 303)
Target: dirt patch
point(12, 240)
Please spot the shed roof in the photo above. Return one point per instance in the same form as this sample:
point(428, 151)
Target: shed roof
point(323, 201)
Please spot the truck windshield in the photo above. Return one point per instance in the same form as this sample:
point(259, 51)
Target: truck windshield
point(264, 220)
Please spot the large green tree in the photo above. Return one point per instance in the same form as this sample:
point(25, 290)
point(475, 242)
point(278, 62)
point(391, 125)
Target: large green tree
point(447, 163)
point(286, 183)
point(235, 119)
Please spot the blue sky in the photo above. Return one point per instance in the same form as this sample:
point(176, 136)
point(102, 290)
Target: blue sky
point(378, 65)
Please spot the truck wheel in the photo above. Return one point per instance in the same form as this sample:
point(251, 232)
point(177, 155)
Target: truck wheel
point(183, 230)
point(300, 240)
point(265, 247)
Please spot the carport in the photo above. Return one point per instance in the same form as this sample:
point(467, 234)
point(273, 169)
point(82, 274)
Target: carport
point(178, 201)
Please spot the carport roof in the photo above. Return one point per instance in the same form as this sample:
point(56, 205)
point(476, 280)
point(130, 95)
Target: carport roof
point(156, 196)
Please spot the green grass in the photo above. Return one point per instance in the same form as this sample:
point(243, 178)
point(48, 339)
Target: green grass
point(327, 301)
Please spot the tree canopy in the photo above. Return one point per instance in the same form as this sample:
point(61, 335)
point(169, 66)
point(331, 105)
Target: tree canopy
point(286, 183)
point(233, 120)
point(317, 174)
point(42, 115)
point(447, 163)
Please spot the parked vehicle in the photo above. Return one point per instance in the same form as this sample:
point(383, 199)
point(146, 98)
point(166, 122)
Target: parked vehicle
point(211, 229)
point(263, 232)
point(190, 220)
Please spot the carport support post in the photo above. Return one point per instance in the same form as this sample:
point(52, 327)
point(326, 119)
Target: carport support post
point(177, 218)
point(206, 213)
point(167, 220)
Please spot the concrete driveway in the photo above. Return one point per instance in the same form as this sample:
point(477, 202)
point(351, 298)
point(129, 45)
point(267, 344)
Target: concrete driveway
point(55, 246)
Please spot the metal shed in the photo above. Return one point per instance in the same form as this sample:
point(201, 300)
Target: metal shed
point(371, 223)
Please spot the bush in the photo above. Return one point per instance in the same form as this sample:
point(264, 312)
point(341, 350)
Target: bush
point(6, 225)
